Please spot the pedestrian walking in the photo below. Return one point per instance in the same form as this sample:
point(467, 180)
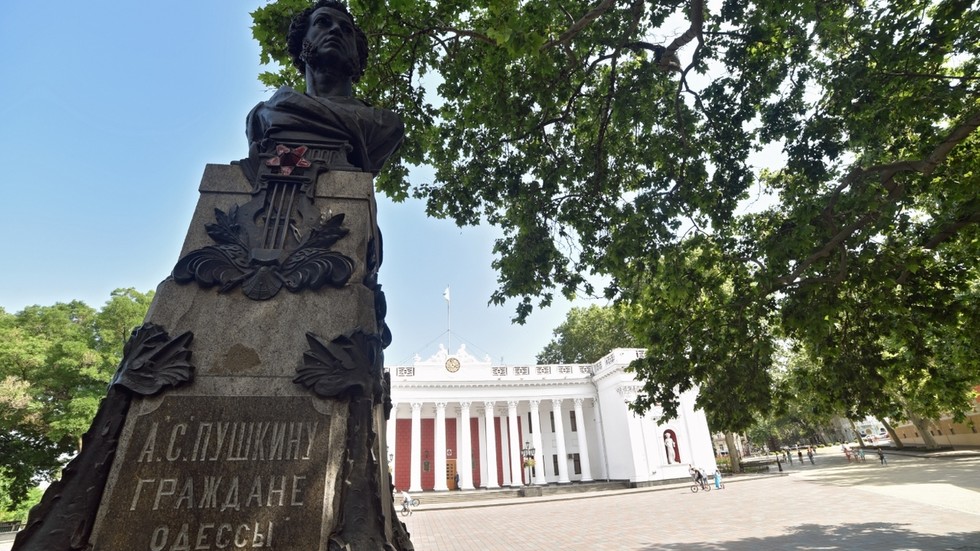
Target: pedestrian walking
point(799, 453)
point(881, 457)
point(809, 455)
point(717, 479)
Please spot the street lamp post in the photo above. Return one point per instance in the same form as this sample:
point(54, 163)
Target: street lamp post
point(528, 454)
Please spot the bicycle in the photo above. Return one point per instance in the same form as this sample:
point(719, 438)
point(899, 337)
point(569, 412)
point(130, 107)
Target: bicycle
point(408, 507)
point(702, 486)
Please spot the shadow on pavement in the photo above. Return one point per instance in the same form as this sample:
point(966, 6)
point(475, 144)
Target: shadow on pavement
point(865, 536)
point(959, 472)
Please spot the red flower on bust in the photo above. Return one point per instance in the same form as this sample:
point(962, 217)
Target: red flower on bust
point(288, 159)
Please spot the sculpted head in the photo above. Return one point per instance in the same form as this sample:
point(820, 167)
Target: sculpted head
point(325, 37)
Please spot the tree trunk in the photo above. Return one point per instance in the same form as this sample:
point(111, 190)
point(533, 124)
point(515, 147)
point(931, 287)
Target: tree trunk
point(892, 434)
point(923, 428)
point(733, 454)
point(860, 437)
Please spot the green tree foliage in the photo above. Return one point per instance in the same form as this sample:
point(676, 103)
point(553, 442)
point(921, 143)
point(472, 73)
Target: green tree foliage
point(588, 334)
point(702, 328)
point(16, 513)
point(802, 413)
point(55, 362)
point(549, 119)
point(124, 310)
point(613, 138)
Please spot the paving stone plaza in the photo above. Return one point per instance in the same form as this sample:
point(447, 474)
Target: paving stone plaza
point(913, 503)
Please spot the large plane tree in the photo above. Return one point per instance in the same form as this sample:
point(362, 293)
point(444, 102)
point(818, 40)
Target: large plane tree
point(612, 141)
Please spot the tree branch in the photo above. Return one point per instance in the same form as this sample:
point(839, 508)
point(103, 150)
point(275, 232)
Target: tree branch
point(886, 173)
point(582, 23)
point(908, 74)
point(604, 118)
point(925, 166)
point(944, 234)
point(697, 22)
point(948, 231)
point(462, 32)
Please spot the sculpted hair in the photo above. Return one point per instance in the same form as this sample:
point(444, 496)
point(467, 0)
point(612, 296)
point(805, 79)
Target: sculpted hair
point(301, 23)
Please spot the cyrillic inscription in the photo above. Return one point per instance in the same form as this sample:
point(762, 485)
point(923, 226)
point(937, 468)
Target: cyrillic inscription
point(226, 441)
point(212, 536)
point(202, 473)
point(217, 492)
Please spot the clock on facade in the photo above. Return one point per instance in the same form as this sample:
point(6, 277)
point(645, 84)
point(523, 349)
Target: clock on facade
point(452, 365)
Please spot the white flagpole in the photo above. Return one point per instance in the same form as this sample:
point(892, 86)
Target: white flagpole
point(449, 319)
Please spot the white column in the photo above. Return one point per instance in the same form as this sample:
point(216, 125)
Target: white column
point(481, 455)
point(692, 458)
point(504, 450)
point(560, 440)
point(464, 465)
point(539, 476)
point(633, 448)
point(516, 469)
point(440, 438)
point(583, 442)
point(416, 478)
point(491, 447)
point(390, 434)
point(601, 440)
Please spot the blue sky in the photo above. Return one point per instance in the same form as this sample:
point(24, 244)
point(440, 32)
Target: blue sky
point(108, 113)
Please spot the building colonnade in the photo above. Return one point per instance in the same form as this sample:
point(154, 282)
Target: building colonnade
point(456, 450)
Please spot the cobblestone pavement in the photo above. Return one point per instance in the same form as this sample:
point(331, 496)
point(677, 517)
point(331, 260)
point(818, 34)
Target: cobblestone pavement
point(911, 504)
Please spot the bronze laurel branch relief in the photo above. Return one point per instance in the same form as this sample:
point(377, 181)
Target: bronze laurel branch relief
point(152, 360)
point(263, 271)
point(349, 366)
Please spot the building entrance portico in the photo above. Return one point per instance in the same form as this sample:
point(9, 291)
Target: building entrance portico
point(454, 414)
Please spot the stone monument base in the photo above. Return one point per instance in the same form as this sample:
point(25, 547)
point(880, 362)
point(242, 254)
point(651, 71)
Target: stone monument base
point(249, 410)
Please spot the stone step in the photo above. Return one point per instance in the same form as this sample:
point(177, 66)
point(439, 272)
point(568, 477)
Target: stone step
point(482, 494)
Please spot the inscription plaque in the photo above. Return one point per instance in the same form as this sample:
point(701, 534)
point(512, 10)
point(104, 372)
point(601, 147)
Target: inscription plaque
point(219, 472)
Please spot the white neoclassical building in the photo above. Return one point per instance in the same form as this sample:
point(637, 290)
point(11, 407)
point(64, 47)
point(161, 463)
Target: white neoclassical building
point(455, 414)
